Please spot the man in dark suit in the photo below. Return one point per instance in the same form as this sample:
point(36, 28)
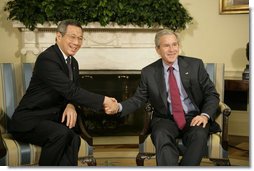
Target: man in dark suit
point(46, 115)
point(198, 97)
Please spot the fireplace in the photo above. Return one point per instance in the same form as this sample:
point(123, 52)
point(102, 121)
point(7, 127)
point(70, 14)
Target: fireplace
point(120, 84)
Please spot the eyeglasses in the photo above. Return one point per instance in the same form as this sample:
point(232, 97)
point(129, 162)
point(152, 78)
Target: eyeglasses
point(72, 37)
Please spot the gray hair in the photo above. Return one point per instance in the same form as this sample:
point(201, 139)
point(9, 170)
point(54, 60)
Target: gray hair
point(163, 33)
point(62, 27)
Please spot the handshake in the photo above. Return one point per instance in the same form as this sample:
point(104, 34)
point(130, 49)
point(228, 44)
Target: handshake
point(110, 105)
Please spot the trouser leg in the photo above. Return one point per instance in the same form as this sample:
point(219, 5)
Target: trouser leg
point(195, 140)
point(164, 133)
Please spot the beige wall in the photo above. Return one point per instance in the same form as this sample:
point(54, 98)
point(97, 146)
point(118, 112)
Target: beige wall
point(10, 38)
point(214, 37)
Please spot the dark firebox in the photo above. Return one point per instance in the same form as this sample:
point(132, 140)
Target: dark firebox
point(114, 83)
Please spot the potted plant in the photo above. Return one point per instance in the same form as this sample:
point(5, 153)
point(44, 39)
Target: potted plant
point(166, 13)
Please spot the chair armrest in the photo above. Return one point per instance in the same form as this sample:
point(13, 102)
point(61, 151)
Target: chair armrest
point(225, 111)
point(82, 128)
point(147, 119)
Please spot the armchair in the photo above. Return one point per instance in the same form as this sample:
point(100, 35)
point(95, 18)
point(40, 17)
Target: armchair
point(12, 152)
point(217, 144)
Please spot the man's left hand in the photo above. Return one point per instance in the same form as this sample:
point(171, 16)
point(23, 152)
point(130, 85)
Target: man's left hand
point(198, 120)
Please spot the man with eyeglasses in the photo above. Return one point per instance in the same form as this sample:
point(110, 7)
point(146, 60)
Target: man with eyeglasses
point(47, 113)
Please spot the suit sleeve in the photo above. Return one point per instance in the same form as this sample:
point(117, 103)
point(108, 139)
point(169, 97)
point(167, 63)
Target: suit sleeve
point(51, 71)
point(138, 99)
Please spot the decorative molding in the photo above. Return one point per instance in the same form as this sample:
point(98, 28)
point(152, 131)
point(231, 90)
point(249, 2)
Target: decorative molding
point(102, 39)
point(233, 75)
point(35, 51)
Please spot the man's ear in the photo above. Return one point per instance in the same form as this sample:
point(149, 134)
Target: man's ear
point(58, 36)
point(157, 50)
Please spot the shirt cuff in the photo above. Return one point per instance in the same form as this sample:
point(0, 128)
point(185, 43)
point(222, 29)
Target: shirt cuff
point(120, 107)
point(205, 114)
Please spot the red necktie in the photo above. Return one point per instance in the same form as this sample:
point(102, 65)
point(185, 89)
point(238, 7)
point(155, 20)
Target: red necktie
point(69, 67)
point(177, 108)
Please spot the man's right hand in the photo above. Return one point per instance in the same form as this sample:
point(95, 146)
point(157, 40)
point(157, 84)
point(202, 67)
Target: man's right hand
point(110, 105)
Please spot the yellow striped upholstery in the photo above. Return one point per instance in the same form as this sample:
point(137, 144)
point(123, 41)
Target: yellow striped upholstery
point(216, 73)
point(22, 154)
point(19, 154)
point(214, 145)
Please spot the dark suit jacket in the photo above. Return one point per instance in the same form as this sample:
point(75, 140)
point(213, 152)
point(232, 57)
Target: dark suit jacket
point(49, 91)
point(195, 80)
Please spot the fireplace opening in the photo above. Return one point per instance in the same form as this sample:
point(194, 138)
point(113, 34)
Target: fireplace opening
point(120, 84)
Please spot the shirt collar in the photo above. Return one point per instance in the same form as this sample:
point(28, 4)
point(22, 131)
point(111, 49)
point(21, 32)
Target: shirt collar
point(175, 65)
point(65, 56)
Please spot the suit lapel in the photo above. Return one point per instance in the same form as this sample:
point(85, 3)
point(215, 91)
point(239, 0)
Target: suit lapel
point(61, 59)
point(184, 73)
point(159, 77)
point(75, 70)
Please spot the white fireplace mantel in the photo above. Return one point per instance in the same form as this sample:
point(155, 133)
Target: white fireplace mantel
point(110, 47)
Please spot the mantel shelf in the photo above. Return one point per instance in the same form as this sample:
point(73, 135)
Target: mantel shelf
point(92, 26)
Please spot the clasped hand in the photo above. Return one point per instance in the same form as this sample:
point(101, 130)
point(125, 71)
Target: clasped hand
point(110, 105)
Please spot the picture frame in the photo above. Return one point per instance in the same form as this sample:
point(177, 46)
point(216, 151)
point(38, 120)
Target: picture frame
point(234, 6)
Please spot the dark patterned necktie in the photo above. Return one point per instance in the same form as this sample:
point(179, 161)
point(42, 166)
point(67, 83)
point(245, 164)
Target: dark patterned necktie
point(177, 108)
point(69, 68)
